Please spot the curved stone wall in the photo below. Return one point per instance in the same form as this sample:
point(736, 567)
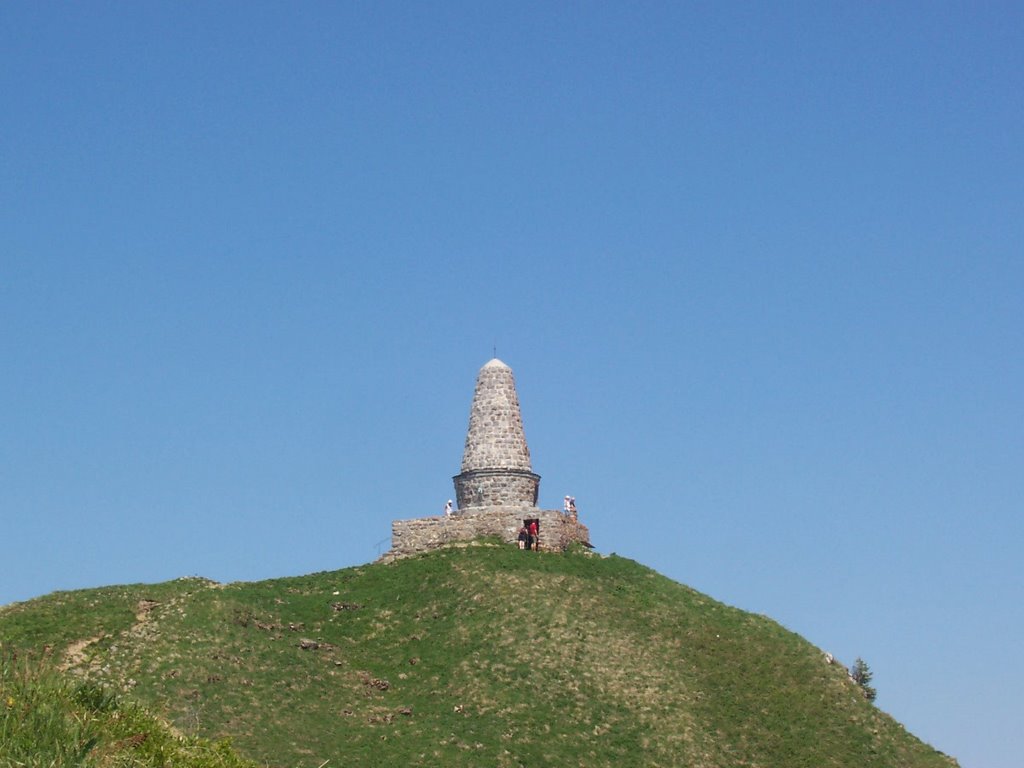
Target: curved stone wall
point(496, 487)
point(412, 537)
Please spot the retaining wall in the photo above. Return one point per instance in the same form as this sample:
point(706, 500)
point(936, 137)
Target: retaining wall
point(557, 529)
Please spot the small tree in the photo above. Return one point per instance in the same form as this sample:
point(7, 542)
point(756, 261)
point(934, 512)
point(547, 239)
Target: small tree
point(861, 675)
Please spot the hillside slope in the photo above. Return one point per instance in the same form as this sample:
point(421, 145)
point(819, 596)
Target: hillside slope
point(479, 655)
point(50, 720)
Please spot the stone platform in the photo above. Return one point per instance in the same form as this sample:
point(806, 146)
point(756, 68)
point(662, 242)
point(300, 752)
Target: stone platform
point(557, 529)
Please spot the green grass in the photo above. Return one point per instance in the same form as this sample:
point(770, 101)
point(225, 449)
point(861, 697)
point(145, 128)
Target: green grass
point(480, 655)
point(48, 720)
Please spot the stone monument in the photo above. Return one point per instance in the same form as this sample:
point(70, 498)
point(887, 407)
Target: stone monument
point(496, 463)
point(496, 487)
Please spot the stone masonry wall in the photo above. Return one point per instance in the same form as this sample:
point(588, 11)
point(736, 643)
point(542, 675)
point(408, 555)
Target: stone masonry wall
point(411, 537)
point(496, 487)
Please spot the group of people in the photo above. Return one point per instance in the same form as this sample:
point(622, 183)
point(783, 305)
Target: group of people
point(529, 536)
point(569, 506)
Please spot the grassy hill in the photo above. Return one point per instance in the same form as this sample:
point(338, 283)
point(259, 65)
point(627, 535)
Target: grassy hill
point(479, 655)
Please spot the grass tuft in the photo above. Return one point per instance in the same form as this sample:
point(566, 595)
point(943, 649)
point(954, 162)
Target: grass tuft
point(48, 720)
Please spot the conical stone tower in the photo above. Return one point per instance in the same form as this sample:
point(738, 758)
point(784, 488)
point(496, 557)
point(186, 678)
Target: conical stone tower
point(496, 468)
point(497, 490)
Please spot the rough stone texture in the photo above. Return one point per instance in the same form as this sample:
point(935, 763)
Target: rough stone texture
point(496, 461)
point(495, 487)
point(557, 530)
point(495, 437)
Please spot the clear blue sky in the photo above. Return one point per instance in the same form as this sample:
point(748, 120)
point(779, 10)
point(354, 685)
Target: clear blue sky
point(758, 269)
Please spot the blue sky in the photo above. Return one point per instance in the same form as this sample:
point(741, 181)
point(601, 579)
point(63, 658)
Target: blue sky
point(757, 268)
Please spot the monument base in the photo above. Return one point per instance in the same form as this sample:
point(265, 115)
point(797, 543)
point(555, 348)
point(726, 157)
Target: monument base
point(557, 530)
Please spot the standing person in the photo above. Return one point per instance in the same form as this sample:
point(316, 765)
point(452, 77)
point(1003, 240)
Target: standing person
point(566, 505)
point(524, 536)
point(572, 506)
point(534, 537)
point(448, 508)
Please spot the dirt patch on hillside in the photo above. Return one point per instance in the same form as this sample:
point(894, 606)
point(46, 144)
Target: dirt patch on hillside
point(75, 655)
